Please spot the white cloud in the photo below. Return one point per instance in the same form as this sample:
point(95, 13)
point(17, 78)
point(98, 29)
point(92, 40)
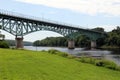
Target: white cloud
point(91, 7)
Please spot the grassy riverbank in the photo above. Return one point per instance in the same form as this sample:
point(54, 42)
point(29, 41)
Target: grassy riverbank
point(110, 47)
point(31, 65)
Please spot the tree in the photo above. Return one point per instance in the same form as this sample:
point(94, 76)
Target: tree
point(51, 41)
point(82, 41)
point(100, 29)
point(113, 38)
point(100, 41)
point(4, 44)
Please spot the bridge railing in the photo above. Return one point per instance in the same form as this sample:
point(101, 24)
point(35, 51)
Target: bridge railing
point(15, 14)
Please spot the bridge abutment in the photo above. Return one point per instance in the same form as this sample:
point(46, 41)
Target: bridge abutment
point(19, 42)
point(71, 44)
point(93, 44)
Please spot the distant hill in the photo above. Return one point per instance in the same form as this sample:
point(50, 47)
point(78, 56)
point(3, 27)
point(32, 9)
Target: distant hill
point(13, 43)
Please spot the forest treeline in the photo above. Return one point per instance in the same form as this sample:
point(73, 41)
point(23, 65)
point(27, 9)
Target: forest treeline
point(13, 43)
point(112, 39)
point(80, 41)
point(8, 43)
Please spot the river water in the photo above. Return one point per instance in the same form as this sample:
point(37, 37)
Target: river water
point(113, 55)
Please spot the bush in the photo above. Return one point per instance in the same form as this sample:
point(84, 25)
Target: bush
point(118, 68)
point(82, 59)
point(63, 54)
point(90, 60)
point(43, 51)
point(109, 64)
point(71, 56)
point(4, 44)
point(106, 63)
point(99, 63)
point(102, 63)
point(87, 60)
point(53, 51)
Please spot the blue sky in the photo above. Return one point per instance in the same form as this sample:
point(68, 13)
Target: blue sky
point(85, 13)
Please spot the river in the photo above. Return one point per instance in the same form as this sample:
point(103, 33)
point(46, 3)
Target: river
point(113, 55)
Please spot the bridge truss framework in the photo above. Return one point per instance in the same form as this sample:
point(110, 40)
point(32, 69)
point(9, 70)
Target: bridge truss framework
point(20, 26)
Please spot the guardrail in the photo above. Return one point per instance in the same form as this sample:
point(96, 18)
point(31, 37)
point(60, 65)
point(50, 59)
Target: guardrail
point(10, 13)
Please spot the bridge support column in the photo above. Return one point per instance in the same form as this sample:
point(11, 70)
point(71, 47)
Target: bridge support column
point(19, 42)
point(93, 44)
point(71, 44)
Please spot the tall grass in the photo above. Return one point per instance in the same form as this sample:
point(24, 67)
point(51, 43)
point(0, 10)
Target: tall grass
point(98, 62)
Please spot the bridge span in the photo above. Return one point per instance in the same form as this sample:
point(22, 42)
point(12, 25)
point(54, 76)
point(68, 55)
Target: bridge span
point(20, 25)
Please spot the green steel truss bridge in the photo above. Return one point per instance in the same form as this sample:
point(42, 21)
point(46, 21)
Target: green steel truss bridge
point(20, 25)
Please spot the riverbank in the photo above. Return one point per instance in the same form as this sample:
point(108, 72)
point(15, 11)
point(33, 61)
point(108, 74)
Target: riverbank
point(109, 54)
point(109, 47)
point(40, 65)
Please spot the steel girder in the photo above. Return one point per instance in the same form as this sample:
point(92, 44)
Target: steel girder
point(20, 27)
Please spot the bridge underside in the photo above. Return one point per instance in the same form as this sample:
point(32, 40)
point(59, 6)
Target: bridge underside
point(20, 26)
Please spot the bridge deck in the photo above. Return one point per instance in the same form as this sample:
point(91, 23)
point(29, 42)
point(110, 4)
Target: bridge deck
point(22, 17)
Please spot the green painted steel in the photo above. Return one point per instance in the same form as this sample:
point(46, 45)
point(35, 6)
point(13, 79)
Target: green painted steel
point(20, 26)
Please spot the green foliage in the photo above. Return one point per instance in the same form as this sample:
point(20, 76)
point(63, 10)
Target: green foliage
point(99, 29)
point(90, 60)
point(12, 43)
point(99, 62)
point(51, 41)
point(4, 44)
point(70, 56)
point(100, 41)
point(113, 38)
point(107, 64)
point(63, 54)
point(110, 47)
point(87, 60)
point(82, 41)
point(2, 36)
point(118, 68)
point(53, 51)
point(43, 51)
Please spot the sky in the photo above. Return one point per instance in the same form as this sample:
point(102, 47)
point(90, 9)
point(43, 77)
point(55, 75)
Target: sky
point(85, 13)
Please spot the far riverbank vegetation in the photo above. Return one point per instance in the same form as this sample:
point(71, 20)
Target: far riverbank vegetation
point(111, 41)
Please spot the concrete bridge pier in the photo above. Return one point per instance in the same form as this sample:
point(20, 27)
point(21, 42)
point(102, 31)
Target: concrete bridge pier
point(93, 44)
point(71, 44)
point(19, 42)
